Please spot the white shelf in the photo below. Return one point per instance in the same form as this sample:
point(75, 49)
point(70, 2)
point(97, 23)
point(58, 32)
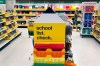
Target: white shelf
point(86, 27)
point(1, 22)
point(96, 38)
point(3, 38)
point(3, 42)
point(98, 30)
point(86, 34)
point(2, 30)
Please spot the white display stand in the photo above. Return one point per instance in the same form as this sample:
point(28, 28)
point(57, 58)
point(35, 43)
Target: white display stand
point(87, 20)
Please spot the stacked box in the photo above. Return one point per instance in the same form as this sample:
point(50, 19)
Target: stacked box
point(49, 41)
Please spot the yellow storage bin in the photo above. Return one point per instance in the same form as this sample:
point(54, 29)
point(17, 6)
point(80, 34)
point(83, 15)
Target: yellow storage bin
point(49, 60)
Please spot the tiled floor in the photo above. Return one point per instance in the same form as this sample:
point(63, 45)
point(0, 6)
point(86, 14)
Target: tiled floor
point(86, 51)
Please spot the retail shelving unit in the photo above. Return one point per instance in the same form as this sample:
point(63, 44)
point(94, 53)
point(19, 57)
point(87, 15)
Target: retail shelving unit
point(8, 28)
point(46, 38)
point(25, 12)
point(96, 30)
point(88, 10)
point(28, 10)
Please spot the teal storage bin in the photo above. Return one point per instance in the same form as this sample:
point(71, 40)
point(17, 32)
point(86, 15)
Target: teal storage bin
point(36, 64)
point(84, 31)
point(88, 31)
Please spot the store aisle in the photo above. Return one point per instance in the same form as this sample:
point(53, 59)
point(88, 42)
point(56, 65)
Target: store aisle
point(18, 52)
point(86, 51)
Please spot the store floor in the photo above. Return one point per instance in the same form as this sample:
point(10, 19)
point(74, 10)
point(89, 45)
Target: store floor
point(18, 52)
point(86, 51)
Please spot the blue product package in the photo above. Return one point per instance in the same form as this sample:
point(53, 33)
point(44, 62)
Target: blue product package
point(0, 24)
point(20, 6)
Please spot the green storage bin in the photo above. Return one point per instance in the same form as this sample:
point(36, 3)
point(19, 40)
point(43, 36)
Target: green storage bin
point(88, 31)
point(84, 31)
point(31, 33)
point(38, 64)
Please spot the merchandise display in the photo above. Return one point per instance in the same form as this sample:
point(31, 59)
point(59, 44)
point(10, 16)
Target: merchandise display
point(88, 10)
point(45, 43)
point(8, 27)
point(45, 52)
point(96, 30)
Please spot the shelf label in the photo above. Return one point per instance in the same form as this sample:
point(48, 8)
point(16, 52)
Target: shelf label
point(49, 32)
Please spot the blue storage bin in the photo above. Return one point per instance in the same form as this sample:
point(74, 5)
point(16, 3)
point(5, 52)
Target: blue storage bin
point(89, 24)
point(86, 16)
point(85, 24)
point(86, 21)
point(90, 16)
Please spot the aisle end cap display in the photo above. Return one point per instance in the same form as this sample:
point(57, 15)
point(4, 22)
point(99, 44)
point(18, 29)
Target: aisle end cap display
point(49, 18)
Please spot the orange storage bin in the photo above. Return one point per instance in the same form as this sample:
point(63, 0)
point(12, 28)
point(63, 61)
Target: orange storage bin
point(49, 52)
point(68, 63)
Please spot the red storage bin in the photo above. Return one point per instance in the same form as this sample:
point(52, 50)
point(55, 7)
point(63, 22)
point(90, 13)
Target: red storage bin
point(54, 47)
point(89, 8)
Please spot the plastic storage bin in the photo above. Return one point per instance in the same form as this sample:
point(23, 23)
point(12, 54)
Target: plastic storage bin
point(84, 31)
point(44, 47)
point(55, 54)
point(85, 24)
point(49, 60)
point(41, 64)
point(68, 63)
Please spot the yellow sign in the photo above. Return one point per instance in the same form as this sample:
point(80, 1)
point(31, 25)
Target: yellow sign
point(49, 32)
